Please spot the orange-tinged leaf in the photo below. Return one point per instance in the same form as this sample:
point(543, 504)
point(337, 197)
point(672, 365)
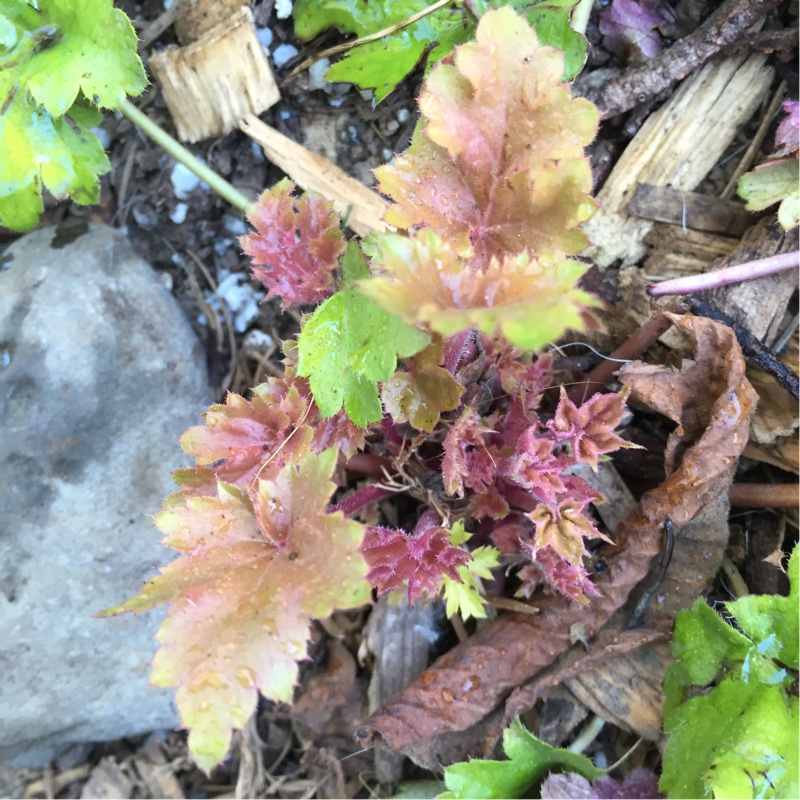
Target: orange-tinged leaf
point(497, 163)
point(426, 389)
point(253, 574)
point(424, 281)
point(244, 438)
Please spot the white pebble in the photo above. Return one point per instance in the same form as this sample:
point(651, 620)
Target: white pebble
point(283, 9)
point(257, 340)
point(402, 115)
point(184, 181)
point(241, 298)
point(283, 53)
point(178, 214)
point(264, 36)
point(316, 74)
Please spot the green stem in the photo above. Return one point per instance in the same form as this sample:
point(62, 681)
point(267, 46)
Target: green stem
point(215, 181)
point(587, 735)
point(580, 16)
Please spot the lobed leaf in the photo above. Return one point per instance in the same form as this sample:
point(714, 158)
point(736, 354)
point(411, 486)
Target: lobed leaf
point(296, 246)
point(463, 595)
point(529, 762)
point(421, 393)
point(500, 109)
point(426, 283)
point(254, 573)
point(349, 345)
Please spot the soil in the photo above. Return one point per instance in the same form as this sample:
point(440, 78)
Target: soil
point(192, 242)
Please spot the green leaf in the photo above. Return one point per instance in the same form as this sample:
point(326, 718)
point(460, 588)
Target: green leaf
point(530, 761)
point(739, 740)
point(731, 719)
point(772, 183)
point(771, 621)
point(553, 29)
point(350, 344)
point(50, 62)
point(68, 47)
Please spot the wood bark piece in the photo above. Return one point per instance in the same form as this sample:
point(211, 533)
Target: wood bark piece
point(211, 85)
point(315, 172)
point(700, 212)
point(194, 18)
point(677, 147)
point(674, 252)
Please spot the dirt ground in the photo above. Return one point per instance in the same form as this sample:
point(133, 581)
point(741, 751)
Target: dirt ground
point(191, 240)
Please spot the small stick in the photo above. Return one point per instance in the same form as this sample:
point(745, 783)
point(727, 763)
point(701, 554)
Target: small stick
point(738, 586)
point(752, 149)
point(666, 557)
point(764, 495)
point(751, 346)
point(748, 271)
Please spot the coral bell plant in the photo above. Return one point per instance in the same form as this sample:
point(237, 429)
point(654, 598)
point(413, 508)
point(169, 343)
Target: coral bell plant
point(416, 366)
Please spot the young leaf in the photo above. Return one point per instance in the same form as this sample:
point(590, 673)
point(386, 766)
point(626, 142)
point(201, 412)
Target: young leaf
point(296, 245)
point(420, 560)
point(463, 594)
point(350, 344)
point(426, 389)
point(425, 282)
point(641, 784)
point(53, 59)
point(630, 29)
point(252, 575)
point(529, 762)
point(467, 460)
point(500, 109)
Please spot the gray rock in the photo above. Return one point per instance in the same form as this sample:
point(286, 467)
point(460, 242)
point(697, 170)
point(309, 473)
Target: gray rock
point(99, 373)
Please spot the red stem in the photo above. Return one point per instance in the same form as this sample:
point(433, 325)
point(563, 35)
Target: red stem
point(640, 341)
point(765, 495)
point(361, 498)
point(370, 463)
point(722, 277)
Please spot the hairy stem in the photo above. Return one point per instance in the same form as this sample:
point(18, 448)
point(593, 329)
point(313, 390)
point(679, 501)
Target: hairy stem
point(215, 181)
point(722, 277)
point(362, 498)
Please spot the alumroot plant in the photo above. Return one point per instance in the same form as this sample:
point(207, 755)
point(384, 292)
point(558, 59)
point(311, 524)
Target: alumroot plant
point(416, 361)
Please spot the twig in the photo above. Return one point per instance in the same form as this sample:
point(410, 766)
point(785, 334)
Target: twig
point(157, 27)
point(751, 346)
point(372, 37)
point(755, 144)
point(738, 585)
point(726, 26)
point(722, 277)
point(587, 735)
point(764, 495)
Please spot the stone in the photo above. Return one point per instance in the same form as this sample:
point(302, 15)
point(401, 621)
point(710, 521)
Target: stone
point(99, 374)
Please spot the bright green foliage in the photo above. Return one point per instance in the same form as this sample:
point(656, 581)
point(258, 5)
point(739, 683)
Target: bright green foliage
point(255, 568)
point(55, 63)
point(382, 64)
point(466, 597)
point(349, 344)
point(530, 761)
point(776, 182)
point(729, 711)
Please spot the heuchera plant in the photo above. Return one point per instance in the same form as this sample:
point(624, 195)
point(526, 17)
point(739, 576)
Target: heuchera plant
point(417, 354)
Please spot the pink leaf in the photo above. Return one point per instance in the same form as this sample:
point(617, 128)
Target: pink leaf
point(629, 29)
point(467, 461)
point(296, 245)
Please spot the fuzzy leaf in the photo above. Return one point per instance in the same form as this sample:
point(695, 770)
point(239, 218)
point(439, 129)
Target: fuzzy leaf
point(590, 428)
point(245, 438)
point(463, 595)
point(421, 560)
point(426, 283)
point(553, 29)
point(350, 344)
point(467, 460)
point(252, 576)
point(296, 245)
point(787, 137)
point(426, 389)
point(529, 762)
point(500, 109)
point(641, 784)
